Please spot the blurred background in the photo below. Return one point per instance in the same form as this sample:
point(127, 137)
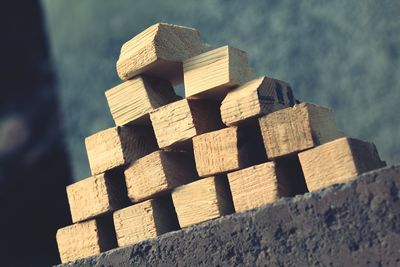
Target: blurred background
point(57, 58)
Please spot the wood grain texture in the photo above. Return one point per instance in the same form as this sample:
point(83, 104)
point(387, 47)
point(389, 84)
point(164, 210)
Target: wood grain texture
point(131, 101)
point(159, 172)
point(202, 200)
point(97, 195)
point(254, 99)
point(298, 128)
point(213, 73)
point(266, 183)
point(254, 186)
point(145, 220)
point(176, 123)
point(85, 239)
point(338, 161)
point(159, 51)
point(228, 149)
point(118, 146)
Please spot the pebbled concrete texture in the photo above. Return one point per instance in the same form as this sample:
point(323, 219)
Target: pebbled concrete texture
point(353, 224)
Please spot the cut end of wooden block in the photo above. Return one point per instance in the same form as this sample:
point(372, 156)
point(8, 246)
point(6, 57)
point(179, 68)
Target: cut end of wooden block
point(131, 101)
point(202, 200)
point(145, 220)
point(158, 173)
point(212, 74)
point(104, 151)
point(158, 51)
point(254, 99)
point(173, 123)
point(338, 162)
point(217, 151)
point(176, 123)
point(85, 239)
point(297, 128)
point(97, 195)
point(114, 147)
point(254, 186)
point(228, 149)
point(265, 183)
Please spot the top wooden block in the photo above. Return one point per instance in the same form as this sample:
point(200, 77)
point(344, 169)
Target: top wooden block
point(338, 161)
point(298, 128)
point(131, 101)
point(159, 51)
point(212, 74)
point(254, 99)
point(118, 146)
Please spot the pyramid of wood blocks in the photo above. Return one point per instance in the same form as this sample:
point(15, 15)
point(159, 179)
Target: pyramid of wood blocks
point(338, 161)
point(227, 150)
point(235, 143)
point(202, 200)
point(118, 146)
point(213, 73)
point(159, 172)
point(97, 195)
point(145, 220)
point(254, 99)
point(131, 101)
point(297, 128)
point(178, 122)
point(263, 184)
point(159, 51)
point(85, 239)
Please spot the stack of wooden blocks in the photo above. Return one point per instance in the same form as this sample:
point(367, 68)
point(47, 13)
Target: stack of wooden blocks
point(236, 142)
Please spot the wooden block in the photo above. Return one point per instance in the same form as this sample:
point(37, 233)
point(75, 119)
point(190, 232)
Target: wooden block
point(158, 173)
point(131, 101)
point(228, 149)
point(213, 73)
point(202, 200)
point(145, 220)
point(97, 195)
point(338, 161)
point(176, 123)
point(265, 183)
point(159, 51)
point(298, 128)
point(254, 99)
point(118, 146)
point(85, 239)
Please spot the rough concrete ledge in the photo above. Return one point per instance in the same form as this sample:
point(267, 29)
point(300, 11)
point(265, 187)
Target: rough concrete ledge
point(353, 224)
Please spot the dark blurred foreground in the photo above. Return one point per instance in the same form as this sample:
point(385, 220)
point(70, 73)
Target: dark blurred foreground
point(34, 168)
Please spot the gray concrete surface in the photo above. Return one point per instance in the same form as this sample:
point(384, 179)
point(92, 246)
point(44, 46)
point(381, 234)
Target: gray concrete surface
point(353, 224)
